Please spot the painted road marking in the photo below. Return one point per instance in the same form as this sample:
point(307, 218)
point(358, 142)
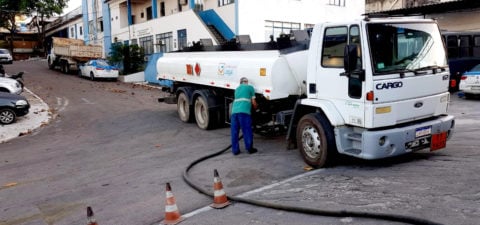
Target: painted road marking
point(248, 193)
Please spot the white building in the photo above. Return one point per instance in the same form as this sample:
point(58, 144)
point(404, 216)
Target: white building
point(168, 25)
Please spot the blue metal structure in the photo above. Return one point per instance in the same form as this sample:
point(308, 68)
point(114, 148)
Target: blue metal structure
point(85, 21)
point(210, 17)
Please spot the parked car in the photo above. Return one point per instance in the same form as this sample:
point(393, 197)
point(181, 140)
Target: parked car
point(98, 68)
point(10, 85)
point(5, 56)
point(470, 82)
point(18, 77)
point(11, 107)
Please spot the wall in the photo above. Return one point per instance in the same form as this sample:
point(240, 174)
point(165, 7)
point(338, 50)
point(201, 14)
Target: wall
point(253, 13)
point(227, 13)
point(458, 21)
point(172, 23)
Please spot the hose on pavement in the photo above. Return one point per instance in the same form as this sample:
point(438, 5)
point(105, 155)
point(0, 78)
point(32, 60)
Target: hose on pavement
point(304, 210)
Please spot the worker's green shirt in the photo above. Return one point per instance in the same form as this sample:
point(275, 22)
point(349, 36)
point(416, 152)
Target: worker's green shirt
point(243, 99)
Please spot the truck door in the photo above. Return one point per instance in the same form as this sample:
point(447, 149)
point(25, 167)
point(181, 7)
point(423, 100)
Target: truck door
point(343, 90)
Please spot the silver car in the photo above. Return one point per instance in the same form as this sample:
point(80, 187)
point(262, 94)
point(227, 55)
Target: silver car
point(10, 85)
point(5, 56)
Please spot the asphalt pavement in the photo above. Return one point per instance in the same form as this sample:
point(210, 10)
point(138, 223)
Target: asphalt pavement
point(39, 115)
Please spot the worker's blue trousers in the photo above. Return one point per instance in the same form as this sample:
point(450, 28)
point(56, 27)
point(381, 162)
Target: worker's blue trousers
point(244, 121)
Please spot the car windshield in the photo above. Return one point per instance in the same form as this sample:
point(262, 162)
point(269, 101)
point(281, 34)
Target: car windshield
point(102, 63)
point(405, 47)
point(476, 68)
point(4, 51)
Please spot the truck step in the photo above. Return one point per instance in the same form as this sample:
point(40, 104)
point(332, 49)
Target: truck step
point(354, 137)
point(353, 151)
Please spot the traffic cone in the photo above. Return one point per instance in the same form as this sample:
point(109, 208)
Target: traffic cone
point(172, 215)
point(220, 199)
point(90, 219)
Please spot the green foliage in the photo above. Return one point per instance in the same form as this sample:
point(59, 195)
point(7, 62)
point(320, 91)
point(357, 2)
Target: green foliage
point(41, 8)
point(8, 10)
point(128, 57)
point(137, 58)
point(47, 8)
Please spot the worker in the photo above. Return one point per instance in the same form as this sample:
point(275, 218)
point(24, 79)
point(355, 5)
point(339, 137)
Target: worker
point(241, 116)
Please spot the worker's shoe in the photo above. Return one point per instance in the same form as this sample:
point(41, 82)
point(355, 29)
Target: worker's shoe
point(252, 150)
point(236, 153)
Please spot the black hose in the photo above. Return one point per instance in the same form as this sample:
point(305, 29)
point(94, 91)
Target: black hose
point(311, 211)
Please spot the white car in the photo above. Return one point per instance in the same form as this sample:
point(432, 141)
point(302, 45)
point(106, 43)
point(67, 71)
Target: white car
point(5, 56)
point(10, 85)
point(470, 82)
point(98, 68)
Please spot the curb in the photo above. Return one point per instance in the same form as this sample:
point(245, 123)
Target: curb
point(38, 116)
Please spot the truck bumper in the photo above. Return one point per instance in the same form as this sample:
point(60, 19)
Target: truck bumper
point(376, 144)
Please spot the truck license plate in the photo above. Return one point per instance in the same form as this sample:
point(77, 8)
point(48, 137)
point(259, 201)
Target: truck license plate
point(419, 143)
point(439, 141)
point(423, 131)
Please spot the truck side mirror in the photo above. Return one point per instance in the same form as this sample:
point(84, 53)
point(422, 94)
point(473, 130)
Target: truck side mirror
point(350, 58)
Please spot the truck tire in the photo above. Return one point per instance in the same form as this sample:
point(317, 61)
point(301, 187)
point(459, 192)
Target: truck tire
point(184, 109)
point(316, 140)
point(51, 65)
point(62, 66)
point(67, 68)
point(205, 118)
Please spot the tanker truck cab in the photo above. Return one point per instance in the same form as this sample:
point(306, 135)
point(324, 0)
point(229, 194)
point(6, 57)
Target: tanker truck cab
point(376, 88)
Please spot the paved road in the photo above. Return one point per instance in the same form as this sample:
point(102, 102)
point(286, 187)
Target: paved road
point(111, 146)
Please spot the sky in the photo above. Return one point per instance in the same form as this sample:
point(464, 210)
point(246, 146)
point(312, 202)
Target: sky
point(72, 4)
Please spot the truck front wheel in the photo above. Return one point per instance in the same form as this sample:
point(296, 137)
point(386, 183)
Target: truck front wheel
point(184, 109)
point(315, 140)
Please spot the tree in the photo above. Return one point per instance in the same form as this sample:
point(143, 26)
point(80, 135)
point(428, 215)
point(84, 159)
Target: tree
point(128, 57)
point(9, 9)
point(42, 10)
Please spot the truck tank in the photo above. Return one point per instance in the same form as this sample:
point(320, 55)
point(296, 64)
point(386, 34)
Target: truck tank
point(275, 74)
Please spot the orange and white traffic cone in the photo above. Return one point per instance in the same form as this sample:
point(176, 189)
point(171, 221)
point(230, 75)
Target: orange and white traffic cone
point(220, 199)
point(172, 215)
point(90, 219)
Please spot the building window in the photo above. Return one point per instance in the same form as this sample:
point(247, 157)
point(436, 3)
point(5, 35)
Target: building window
point(149, 13)
point(276, 28)
point(100, 24)
point(337, 2)
point(90, 27)
point(162, 8)
point(72, 32)
point(308, 26)
point(164, 42)
point(147, 44)
point(134, 42)
point(80, 30)
point(225, 2)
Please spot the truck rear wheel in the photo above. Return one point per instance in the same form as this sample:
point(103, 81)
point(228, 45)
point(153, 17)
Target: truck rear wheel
point(205, 118)
point(51, 65)
point(184, 109)
point(315, 140)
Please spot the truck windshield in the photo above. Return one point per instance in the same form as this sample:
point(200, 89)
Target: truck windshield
point(405, 47)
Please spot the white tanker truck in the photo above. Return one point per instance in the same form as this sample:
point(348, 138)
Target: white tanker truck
point(372, 88)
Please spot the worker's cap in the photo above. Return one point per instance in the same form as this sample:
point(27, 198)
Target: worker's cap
point(243, 80)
